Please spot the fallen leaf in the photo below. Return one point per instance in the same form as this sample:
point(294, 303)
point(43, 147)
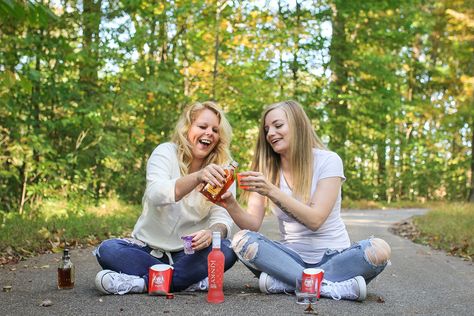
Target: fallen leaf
point(57, 249)
point(310, 310)
point(46, 303)
point(9, 251)
point(46, 266)
point(25, 251)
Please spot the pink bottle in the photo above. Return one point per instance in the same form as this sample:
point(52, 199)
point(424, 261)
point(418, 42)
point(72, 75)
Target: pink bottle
point(215, 271)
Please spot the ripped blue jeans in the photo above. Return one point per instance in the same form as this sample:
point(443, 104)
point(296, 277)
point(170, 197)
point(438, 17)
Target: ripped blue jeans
point(261, 254)
point(131, 256)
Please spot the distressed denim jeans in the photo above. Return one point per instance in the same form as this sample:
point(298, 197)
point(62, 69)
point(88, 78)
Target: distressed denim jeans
point(131, 256)
point(261, 254)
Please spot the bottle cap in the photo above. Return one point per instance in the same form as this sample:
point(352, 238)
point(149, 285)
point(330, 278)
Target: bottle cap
point(216, 239)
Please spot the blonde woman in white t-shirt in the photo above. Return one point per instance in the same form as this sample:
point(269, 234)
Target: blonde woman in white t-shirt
point(302, 180)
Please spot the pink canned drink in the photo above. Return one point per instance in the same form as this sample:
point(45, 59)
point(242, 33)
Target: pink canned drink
point(159, 279)
point(311, 280)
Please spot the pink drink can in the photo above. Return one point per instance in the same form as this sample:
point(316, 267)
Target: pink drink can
point(159, 279)
point(311, 280)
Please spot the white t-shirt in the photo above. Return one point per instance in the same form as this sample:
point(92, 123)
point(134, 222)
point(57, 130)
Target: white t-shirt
point(311, 245)
point(163, 220)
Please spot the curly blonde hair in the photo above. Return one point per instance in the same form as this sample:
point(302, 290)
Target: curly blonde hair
point(220, 154)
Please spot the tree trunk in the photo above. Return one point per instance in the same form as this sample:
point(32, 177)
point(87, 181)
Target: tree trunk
point(381, 172)
point(295, 65)
point(339, 86)
point(471, 191)
point(24, 177)
point(216, 53)
point(281, 68)
point(90, 23)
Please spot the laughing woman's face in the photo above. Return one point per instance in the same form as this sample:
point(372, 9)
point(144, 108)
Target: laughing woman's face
point(204, 134)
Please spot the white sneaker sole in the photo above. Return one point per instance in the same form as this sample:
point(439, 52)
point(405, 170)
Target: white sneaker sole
point(362, 288)
point(262, 283)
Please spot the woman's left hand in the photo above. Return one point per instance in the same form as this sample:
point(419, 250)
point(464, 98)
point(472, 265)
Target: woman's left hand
point(202, 239)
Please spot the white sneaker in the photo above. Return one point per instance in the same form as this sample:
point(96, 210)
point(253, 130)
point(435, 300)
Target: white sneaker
point(353, 289)
point(111, 282)
point(202, 285)
point(270, 285)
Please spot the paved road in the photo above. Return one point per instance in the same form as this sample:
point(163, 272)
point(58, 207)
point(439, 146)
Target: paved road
point(420, 281)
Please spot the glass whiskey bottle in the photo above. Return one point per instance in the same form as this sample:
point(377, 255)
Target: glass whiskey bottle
point(66, 273)
point(213, 193)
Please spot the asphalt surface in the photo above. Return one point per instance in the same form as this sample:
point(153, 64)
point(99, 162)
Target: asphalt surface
point(419, 281)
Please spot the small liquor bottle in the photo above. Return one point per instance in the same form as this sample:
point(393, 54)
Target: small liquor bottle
point(213, 193)
point(66, 272)
point(215, 271)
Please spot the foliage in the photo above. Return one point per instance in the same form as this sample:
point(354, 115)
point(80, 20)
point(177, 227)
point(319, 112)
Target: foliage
point(89, 88)
point(448, 227)
point(59, 223)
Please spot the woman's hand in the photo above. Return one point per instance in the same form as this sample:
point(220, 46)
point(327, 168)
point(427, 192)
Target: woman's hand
point(226, 200)
point(201, 239)
point(212, 174)
point(256, 182)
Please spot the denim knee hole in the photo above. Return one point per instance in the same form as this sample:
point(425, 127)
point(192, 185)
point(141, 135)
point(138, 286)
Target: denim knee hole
point(251, 251)
point(239, 240)
point(378, 252)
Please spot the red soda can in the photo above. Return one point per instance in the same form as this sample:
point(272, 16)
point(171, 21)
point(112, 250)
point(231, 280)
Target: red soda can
point(159, 279)
point(311, 280)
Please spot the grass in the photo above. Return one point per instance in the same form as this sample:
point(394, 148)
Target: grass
point(448, 227)
point(58, 224)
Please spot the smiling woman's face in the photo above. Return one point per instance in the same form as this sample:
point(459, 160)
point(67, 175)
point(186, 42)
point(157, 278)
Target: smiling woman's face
point(204, 134)
point(277, 130)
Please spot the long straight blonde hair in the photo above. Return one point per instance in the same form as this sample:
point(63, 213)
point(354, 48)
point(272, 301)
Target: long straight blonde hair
point(219, 155)
point(303, 141)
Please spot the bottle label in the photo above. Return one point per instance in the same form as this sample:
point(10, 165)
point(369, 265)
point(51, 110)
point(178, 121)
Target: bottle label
point(212, 189)
point(212, 274)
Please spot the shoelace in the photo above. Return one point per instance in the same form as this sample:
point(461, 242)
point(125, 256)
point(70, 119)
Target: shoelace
point(277, 286)
point(120, 285)
point(200, 286)
point(203, 284)
point(336, 288)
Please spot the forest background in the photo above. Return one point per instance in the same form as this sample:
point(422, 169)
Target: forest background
point(89, 88)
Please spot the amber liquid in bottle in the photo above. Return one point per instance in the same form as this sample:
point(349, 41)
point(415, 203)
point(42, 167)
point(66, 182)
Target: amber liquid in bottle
point(66, 272)
point(213, 193)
